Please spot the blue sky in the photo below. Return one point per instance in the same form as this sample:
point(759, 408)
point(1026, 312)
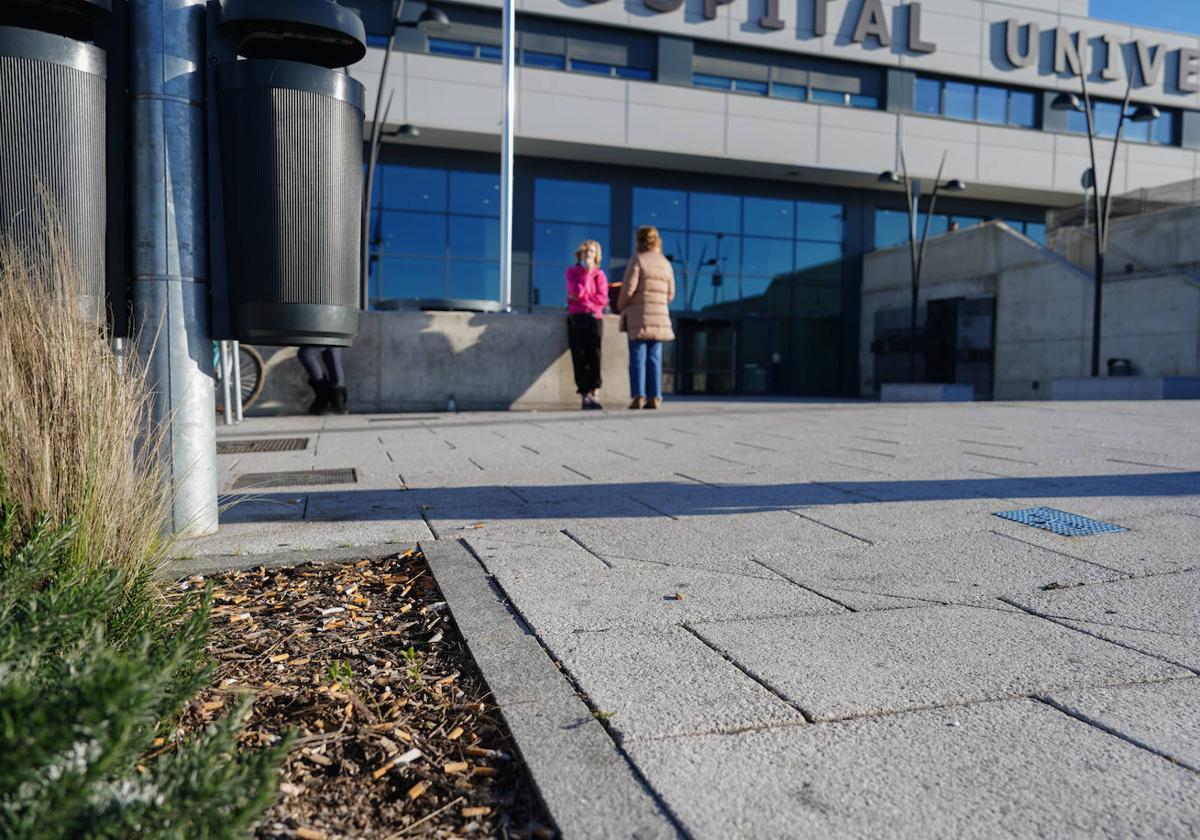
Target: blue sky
point(1179, 15)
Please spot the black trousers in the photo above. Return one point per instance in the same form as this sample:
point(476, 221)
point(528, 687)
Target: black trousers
point(583, 336)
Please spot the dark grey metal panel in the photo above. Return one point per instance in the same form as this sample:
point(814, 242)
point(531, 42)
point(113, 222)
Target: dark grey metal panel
point(52, 161)
point(901, 89)
point(1191, 130)
point(292, 179)
point(675, 60)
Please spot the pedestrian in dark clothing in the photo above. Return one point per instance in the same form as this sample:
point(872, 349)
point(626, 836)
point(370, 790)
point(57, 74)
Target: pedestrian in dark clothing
point(326, 377)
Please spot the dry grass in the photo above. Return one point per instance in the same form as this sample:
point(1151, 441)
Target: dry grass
point(76, 442)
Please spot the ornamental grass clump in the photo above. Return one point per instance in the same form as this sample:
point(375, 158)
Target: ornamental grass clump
point(76, 441)
point(95, 666)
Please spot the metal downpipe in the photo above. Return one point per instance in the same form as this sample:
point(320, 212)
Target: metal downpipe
point(169, 248)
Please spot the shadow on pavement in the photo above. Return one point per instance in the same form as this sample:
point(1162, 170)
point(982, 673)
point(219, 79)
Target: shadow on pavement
point(676, 498)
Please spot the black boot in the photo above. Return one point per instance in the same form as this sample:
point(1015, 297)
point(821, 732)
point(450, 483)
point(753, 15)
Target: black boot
point(339, 400)
point(324, 396)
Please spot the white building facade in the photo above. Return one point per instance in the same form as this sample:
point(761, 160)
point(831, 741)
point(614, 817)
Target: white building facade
point(753, 133)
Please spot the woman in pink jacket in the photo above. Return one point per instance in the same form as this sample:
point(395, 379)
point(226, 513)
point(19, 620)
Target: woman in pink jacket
point(587, 295)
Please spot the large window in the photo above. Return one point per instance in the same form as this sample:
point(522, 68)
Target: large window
point(891, 226)
point(975, 102)
point(730, 251)
point(435, 233)
point(1108, 114)
point(565, 214)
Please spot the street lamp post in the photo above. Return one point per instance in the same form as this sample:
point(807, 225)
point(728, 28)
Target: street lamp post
point(916, 251)
point(430, 20)
point(1102, 204)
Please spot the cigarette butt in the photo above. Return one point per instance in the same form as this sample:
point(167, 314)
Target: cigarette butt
point(455, 767)
point(417, 789)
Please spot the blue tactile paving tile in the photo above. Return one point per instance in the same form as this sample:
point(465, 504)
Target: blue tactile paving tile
point(1059, 522)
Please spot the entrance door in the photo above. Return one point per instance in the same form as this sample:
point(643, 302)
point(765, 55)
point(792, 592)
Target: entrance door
point(707, 353)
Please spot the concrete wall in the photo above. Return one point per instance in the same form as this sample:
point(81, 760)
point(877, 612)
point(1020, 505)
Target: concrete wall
point(1153, 242)
point(417, 361)
point(1043, 309)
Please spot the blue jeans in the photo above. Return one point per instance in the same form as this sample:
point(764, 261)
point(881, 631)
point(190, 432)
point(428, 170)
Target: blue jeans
point(645, 368)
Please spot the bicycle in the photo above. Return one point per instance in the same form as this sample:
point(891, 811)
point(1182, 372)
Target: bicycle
point(252, 370)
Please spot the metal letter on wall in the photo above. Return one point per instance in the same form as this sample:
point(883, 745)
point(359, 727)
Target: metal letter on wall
point(872, 22)
point(1012, 43)
point(1066, 53)
point(1189, 70)
point(821, 18)
point(710, 8)
point(1112, 50)
point(663, 5)
point(915, 44)
point(771, 19)
point(1151, 66)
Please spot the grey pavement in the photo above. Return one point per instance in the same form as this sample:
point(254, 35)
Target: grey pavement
point(800, 619)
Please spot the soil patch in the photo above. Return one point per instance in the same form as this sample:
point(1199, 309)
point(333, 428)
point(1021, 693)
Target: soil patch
point(395, 732)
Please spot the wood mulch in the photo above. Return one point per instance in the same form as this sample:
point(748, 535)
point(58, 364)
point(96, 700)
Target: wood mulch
point(395, 733)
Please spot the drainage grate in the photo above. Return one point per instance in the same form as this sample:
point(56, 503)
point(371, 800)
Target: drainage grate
point(1059, 522)
point(240, 447)
point(295, 478)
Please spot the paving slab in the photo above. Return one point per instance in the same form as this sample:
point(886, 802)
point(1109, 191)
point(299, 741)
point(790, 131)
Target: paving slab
point(560, 590)
point(877, 662)
point(1159, 615)
point(664, 683)
point(1164, 717)
point(1009, 769)
point(960, 568)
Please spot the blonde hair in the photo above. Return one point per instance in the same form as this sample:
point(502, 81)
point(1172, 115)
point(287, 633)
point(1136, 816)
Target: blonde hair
point(582, 250)
point(648, 239)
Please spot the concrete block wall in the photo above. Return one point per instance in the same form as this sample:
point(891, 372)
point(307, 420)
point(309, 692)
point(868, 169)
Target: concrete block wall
point(1043, 309)
point(417, 361)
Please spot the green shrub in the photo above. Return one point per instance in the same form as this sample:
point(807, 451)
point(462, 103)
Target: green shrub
point(92, 669)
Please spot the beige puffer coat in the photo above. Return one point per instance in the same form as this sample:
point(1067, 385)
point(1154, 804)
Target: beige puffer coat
point(646, 295)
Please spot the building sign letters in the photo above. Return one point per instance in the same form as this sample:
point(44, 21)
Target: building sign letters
point(1022, 45)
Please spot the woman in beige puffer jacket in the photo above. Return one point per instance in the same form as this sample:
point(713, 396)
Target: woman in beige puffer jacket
point(646, 295)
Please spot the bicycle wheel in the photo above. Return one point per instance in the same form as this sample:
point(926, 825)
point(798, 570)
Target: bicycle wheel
point(253, 372)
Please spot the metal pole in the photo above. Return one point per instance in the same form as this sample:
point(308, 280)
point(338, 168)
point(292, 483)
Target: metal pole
point(169, 249)
point(1098, 268)
point(506, 154)
point(236, 365)
point(372, 160)
point(226, 397)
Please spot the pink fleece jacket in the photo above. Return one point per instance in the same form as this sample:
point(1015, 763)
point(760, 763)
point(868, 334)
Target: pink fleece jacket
point(587, 290)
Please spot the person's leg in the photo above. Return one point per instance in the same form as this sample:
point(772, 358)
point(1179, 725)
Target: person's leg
point(332, 356)
point(654, 372)
point(592, 355)
point(310, 359)
point(577, 341)
point(637, 370)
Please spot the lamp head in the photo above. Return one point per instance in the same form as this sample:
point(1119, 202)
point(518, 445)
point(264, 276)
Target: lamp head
point(889, 177)
point(433, 20)
point(957, 185)
point(1145, 113)
point(1066, 102)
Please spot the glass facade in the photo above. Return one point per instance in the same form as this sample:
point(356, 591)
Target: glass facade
point(891, 226)
point(767, 273)
point(434, 234)
point(961, 100)
point(565, 213)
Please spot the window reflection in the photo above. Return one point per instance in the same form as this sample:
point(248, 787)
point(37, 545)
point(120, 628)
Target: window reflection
point(741, 253)
point(565, 214)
